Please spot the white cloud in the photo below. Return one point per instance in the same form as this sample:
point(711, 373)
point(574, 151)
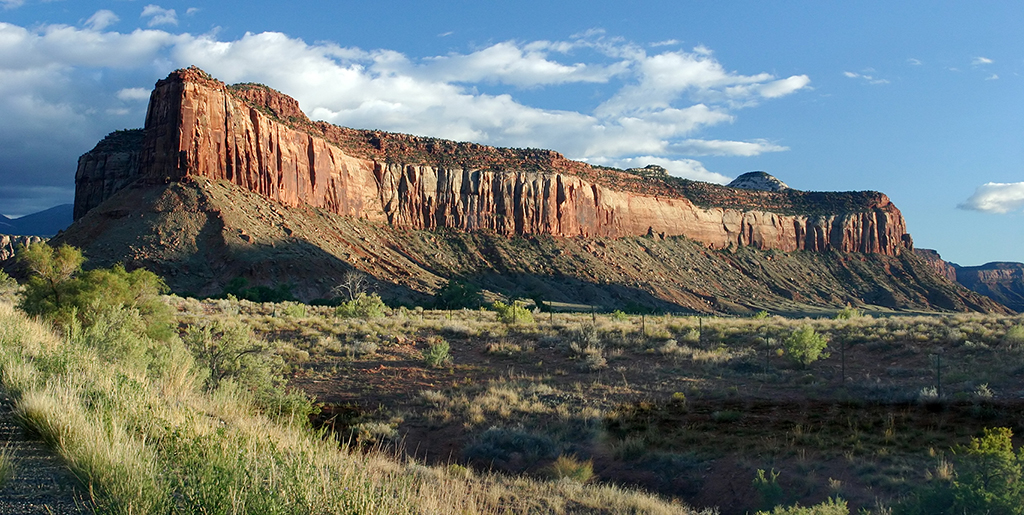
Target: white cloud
point(192, 10)
point(996, 197)
point(655, 104)
point(101, 20)
point(685, 168)
point(133, 94)
point(870, 79)
point(159, 16)
point(12, 4)
point(914, 62)
point(981, 60)
point(992, 77)
point(700, 147)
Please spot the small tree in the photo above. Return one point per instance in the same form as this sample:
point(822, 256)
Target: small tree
point(353, 284)
point(51, 286)
point(513, 313)
point(363, 306)
point(805, 345)
point(457, 294)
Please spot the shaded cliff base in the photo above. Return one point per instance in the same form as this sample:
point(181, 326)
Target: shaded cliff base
point(199, 235)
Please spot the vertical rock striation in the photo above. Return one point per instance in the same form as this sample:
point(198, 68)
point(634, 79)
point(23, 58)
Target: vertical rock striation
point(259, 140)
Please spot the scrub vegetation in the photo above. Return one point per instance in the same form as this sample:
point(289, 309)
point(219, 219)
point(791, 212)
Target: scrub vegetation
point(163, 404)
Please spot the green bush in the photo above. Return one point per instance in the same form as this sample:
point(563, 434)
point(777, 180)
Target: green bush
point(295, 311)
point(834, 506)
point(234, 359)
point(849, 313)
point(512, 313)
point(457, 295)
point(768, 488)
point(805, 345)
point(987, 479)
point(59, 290)
point(363, 306)
point(1015, 335)
point(437, 354)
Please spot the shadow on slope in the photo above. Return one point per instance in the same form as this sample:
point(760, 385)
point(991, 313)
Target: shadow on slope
point(199, 235)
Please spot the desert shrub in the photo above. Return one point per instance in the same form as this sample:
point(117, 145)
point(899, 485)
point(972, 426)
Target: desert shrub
point(768, 488)
point(619, 316)
point(591, 357)
point(805, 345)
point(239, 288)
point(457, 295)
point(294, 310)
point(363, 306)
point(501, 446)
point(7, 284)
point(1015, 335)
point(437, 354)
point(987, 479)
point(761, 315)
point(832, 506)
point(234, 359)
point(849, 313)
point(512, 313)
point(572, 468)
point(60, 291)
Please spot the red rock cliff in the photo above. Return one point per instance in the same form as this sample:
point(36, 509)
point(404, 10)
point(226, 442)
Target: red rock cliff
point(258, 139)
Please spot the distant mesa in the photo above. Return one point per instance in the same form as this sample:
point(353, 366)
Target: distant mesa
point(235, 182)
point(759, 181)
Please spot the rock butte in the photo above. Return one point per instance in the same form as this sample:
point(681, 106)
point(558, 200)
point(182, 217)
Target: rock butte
point(257, 138)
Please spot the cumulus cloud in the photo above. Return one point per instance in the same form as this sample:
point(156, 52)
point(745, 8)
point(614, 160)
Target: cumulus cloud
point(996, 197)
point(685, 168)
point(12, 4)
point(981, 60)
point(159, 16)
point(657, 103)
point(914, 62)
point(133, 94)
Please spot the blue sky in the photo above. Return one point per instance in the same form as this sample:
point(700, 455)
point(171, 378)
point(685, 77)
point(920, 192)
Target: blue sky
point(923, 100)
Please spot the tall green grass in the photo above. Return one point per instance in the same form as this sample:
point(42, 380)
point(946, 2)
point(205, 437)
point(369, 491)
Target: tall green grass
point(138, 427)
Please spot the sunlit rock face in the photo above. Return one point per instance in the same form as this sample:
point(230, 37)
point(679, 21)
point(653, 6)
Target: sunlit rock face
point(758, 181)
point(259, 139)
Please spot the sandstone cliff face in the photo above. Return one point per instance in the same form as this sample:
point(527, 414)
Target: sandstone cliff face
point(258, 139)
point(941, 267)
point(110, 166)
point(1001, 281)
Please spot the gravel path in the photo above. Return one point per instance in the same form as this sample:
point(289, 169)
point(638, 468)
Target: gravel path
point(42, 483)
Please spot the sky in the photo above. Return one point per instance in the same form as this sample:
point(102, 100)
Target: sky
point(921, 100)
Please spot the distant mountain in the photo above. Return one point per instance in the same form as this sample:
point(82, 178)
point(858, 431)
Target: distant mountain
point(43, 223)
point(1002, 282)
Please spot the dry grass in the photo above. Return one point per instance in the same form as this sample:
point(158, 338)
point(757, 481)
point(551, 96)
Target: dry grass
point(152, 443)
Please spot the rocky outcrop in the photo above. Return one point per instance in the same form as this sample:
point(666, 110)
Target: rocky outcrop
point(758, 181)
point(939, 265)
point(110, 166)
point(257, 138)
point(9, 244)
